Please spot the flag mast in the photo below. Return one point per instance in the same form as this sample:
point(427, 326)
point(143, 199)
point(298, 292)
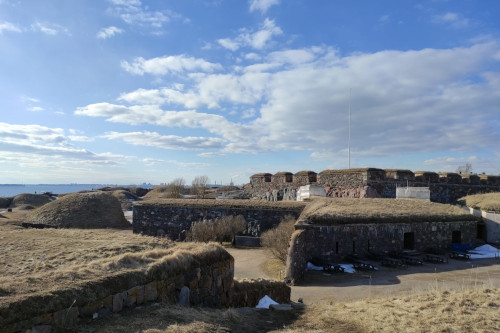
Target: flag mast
point(349, 140)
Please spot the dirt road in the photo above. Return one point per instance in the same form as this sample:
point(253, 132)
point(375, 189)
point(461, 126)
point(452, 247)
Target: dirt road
point(320, 287)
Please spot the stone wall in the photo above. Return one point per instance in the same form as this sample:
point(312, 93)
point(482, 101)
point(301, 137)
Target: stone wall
point(332, 243)
point(491, 222)
point(373, 183)
point(175, 221)
point(200, 283)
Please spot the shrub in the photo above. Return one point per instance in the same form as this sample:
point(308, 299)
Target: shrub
point(220, 230)
point(199, 186)
point(278, 239)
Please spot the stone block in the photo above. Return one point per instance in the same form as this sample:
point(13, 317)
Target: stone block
point(117, 302)
point(151, 291)
point(89, 309)
point(131, 298)
point(66, 318)
point(41, 329)
point(140, 295)
point(184, 296)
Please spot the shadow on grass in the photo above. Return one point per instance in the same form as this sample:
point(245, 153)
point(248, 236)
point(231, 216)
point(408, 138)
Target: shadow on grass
point(172, 318)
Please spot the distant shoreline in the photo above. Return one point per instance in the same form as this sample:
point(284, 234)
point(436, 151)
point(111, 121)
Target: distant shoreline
point(10, 190)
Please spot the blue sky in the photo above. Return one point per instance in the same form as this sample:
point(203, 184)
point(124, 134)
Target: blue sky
point(132, 91)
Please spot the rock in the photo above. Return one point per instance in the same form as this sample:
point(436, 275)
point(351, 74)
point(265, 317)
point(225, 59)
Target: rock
point(280, 307)
point(184, 296)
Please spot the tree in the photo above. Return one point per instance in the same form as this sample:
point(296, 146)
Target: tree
point(465, 169)
point(199, 186)
point(277, 240)
point(175, 187)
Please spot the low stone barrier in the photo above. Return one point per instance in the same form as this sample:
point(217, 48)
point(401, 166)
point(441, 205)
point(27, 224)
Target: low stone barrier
point(246, 241)
point(204, 280)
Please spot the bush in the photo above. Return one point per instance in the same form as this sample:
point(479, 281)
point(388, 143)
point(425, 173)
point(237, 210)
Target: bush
point(277, 240)
point(219, 230)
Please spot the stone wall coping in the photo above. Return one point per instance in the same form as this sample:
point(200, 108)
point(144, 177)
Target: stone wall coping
point(224, 204)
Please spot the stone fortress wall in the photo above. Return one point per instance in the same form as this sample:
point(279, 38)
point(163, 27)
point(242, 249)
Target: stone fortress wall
point(445, 187)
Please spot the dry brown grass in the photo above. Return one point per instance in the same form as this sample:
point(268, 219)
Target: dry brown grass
point(218, 230)
point(345, 210)
point(40, 261)
point(37, 261)
point(486, 202)
point(81, 210)
point(277, 240)
point(473, 310)
point(274, 269)
point(26, 200)
point(242, 204)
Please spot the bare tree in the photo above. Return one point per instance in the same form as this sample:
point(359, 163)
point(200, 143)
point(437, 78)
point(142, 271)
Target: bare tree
point(199, 186)
point(175, 187)
point(465, 169)
point(277, 240)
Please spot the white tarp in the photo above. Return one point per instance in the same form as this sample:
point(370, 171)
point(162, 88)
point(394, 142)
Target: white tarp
point(422, 193)
point(484, 251)
point(308, 191)
point(265, 302)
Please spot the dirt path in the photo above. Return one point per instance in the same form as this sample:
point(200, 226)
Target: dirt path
point(320, 287)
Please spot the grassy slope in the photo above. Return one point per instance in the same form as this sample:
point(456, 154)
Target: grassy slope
point(487, 202)
point(338, 211)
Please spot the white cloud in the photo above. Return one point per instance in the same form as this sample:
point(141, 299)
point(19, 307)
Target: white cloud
point(152, 161)
point(80, 138)
point(451, 160)
point(7, 26)
point(153, 139)
point(262, 5)
point(210, 91)
point(402, 101)
point(455, 20)
point(35, 108)
point(210, 154)
point(252, 56)
point(39, 144)
point(49, 28)
point(168, 64)
point(257, 40)
point(134, 13)
point(108, 32)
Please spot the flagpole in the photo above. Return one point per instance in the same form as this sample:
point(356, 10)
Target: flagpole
point(349, 141)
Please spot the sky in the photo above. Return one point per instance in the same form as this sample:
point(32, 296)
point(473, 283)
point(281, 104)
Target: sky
point(133, 91)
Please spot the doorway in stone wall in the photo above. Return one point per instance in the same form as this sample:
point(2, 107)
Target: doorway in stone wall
point(456, 236)
point(409, 241)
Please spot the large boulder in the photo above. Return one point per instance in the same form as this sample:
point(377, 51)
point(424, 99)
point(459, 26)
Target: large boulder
point(81, 210)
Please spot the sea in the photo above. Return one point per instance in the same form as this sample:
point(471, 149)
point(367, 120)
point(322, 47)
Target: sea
point(10, 190)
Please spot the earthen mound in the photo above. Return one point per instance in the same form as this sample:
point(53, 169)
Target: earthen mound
point(81, 210)
point(5, 202)
point(27, 200)
point(125, 197)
